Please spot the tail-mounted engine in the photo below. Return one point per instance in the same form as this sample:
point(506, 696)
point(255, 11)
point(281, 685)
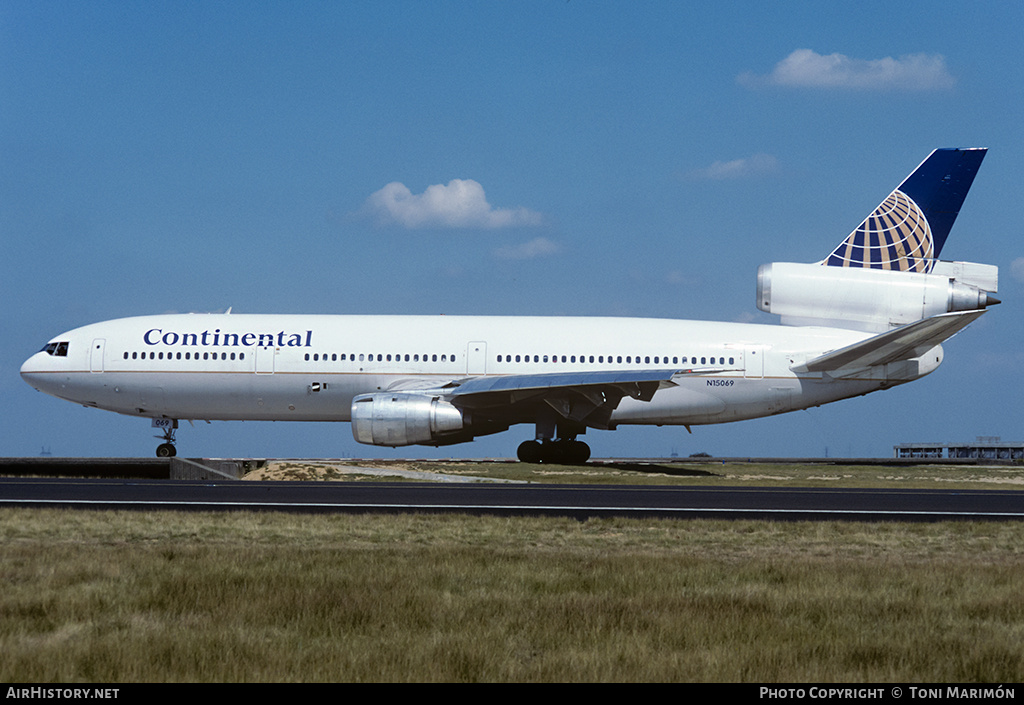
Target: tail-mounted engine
point(872, 299)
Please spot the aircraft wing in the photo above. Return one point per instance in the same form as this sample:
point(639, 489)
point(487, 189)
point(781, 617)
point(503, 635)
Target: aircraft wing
point(644, 382)
point(583, 397)
point(903, 343)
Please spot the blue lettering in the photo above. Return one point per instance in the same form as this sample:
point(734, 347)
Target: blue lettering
point(156, 336)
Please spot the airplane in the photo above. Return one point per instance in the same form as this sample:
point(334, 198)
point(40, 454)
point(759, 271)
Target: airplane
point(870, 316)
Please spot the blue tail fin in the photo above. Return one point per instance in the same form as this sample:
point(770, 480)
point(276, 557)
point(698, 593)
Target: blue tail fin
point(907, 231)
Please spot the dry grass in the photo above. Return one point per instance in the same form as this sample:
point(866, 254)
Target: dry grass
point(121, 597)
point(838, 474)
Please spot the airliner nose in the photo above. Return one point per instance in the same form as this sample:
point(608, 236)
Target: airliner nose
point(30, 372)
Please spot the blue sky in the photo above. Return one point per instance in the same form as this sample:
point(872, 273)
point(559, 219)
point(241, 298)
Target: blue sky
point(563, 158)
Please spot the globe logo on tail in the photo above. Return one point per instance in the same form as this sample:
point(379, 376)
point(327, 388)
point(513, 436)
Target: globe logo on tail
point(895, 236)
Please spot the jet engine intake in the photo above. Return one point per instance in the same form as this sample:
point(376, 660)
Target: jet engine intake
point(403, 418)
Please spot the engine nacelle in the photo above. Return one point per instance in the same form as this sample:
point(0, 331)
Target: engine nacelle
point(403, 419)
point(869, 299)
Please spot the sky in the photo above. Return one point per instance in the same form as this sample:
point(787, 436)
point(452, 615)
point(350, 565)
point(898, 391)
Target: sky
point(537, 157)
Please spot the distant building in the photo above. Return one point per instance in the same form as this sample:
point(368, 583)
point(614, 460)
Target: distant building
point(983, 448)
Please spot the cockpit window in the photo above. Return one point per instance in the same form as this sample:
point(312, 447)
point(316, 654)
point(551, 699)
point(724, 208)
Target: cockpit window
point(57, 349)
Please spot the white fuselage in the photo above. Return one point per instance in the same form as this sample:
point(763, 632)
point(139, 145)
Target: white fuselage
point(309, 368)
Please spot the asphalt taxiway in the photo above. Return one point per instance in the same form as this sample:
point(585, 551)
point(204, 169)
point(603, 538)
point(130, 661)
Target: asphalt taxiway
point(579, 501)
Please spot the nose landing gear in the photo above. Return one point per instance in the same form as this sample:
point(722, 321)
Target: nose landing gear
point(168, 426)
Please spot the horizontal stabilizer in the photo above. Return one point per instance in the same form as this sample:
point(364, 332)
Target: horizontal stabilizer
point(904, 343)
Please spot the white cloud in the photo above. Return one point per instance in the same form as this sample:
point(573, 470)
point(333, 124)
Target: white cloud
point(460, 204)
point(678, 278)
point(755, 165)
point(1017, 269)
point(538, 247)
point(805, 68)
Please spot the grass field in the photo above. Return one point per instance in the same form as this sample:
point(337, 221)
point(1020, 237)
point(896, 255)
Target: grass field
point(165, 596)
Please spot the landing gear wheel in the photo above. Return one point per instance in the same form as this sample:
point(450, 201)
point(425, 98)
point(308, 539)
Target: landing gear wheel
point(566, 452)
point(576, 452)
point(529, 452)
point(166, 450)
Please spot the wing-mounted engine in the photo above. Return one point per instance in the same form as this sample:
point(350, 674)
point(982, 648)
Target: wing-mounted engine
point(404, 418)
point(463, 409)
point(872, 299)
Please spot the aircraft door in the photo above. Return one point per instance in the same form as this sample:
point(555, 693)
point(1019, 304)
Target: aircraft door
point(96, 355)
point(476, 358)
point(265, 360)
point(753, 361)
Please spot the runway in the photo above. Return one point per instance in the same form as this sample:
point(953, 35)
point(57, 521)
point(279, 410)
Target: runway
point(577, 501)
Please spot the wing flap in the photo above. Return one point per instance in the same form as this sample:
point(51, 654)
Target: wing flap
point(903, 343)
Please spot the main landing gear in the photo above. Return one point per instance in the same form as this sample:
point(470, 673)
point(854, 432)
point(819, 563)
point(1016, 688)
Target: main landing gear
point(168, 426)
point(564, 451)
point(555, 442)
